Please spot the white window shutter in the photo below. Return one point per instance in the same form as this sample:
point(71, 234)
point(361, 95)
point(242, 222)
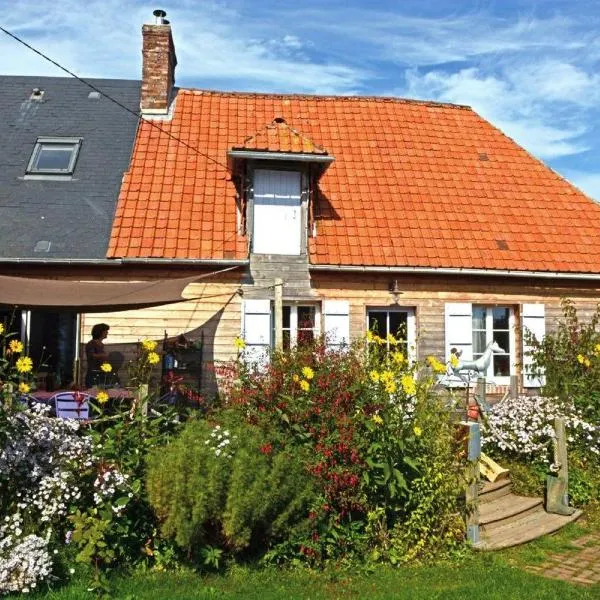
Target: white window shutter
point(459, 328)
point(256, 330)
point(336, 317)
point(533, 319)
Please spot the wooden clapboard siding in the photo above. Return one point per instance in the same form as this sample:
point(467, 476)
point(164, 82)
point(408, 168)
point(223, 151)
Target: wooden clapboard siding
point(216, 315)
point(429, 294)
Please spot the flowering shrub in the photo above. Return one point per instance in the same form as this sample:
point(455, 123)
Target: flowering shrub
point(375, 445)
point(524, 427)
point(140, 369)
point(570, 360)
point(42, 460)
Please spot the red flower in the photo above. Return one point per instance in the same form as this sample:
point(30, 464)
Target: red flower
point(266, 449)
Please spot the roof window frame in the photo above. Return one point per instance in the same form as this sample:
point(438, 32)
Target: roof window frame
point(43, 141)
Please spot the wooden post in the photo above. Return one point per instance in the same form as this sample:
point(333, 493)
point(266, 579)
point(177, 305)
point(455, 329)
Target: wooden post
point(140, 398)
point(278, 313)
point(514, 386)
point(472, 478)
point(557, 486)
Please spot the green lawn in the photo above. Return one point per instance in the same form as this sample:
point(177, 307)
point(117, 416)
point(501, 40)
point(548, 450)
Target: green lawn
point(489, 576)
point(482, 576)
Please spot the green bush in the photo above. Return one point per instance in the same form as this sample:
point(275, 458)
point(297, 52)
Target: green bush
point(222, 485)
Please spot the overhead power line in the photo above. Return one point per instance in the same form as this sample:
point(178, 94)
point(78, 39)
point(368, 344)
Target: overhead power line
point(137, 115)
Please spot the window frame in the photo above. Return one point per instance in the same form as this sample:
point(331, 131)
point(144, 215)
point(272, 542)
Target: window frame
point(41, 142)
point(293, 328)
point(411, 325)
point(489, 336)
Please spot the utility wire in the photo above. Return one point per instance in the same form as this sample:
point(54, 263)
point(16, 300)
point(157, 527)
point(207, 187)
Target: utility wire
point(138, 115)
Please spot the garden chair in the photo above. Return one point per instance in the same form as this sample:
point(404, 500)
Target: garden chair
point(71, 405)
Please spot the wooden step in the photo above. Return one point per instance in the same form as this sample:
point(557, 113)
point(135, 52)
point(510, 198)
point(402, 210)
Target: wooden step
point(506, 509)
point(525, 529)
point(491, 491)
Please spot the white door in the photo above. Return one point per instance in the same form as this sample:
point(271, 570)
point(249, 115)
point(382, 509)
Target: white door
point(277, 216)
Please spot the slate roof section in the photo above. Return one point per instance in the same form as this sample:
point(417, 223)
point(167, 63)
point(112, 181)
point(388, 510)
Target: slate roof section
point(414, 184)
point(74, 216)
point(278, 136)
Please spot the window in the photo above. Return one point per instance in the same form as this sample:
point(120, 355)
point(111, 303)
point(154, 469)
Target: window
point(299, 325)
point(398, 322)
point(277, 227)
point(54, 156)
point(494, 323)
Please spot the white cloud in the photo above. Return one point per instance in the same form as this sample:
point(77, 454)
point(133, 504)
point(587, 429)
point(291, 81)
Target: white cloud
point(103, 39)
point(516, 110)
point(588, 183)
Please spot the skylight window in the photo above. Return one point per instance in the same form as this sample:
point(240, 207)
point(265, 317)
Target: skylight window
point(54, 156)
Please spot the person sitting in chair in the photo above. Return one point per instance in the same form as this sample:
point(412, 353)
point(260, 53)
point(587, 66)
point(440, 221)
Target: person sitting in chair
point(95, 354)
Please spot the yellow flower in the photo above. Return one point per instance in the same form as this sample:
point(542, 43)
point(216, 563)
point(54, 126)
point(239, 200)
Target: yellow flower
point(24, 364)
point(408, 385)
point(239, 343)
point(377, 419)
point(102, 397)
point(435, 364)
point(390, 387)
point(386, 377)
point(398, 357)
point(16, 346)
point(295, 378)
point(308, 373)
point(374, 375)
point(581, 358)
point(1, 329)
point(379, 340)
point(24, 388)
point(417, 430)
point(587, 362)
point(370, 336)
point(392, 340)
point(305, 385)
point(597, 348)
point(153, 358)
point(149, 345)
point(454, 360)
point(106, 367)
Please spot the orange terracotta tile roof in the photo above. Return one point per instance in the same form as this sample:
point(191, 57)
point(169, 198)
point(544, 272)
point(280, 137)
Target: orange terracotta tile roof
point(413, 184)
point(278, 136)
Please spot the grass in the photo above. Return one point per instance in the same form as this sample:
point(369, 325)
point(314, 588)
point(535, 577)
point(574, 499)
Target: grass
point(489, 576)
point(485, 576)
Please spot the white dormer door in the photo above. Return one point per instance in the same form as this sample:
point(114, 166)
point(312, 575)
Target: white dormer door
point(277, 212)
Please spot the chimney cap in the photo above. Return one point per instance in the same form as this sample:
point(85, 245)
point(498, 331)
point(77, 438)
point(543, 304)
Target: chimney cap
point(160, 16)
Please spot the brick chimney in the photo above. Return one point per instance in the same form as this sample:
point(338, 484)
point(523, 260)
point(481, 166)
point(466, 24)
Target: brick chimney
point(158, 66)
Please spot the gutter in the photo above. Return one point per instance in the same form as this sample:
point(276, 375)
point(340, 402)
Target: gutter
point(455, 271)
point(289, 156)
point(125, 261)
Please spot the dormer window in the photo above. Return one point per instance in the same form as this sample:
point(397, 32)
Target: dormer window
point(54, 156)
point(277, 218)
point(276, 170)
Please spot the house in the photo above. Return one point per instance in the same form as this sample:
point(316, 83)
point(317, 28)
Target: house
point(374, 212)
point(65, 148)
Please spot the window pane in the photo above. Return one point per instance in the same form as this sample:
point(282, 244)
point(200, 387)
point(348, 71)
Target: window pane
point(398, 322)
point(479, 343)
point(306, 317)
point(378, 323)
point(286, 317)
point(503, 339)
point(305, 337)
point(500, 317)
point(54, 158)
point(286, 340)
point(478, 317)
point(501, 365)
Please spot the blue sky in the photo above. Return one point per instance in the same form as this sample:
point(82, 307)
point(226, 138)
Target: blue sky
point(530, 67)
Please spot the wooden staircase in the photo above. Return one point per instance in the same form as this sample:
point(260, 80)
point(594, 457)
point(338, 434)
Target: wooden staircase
point(506, 519)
